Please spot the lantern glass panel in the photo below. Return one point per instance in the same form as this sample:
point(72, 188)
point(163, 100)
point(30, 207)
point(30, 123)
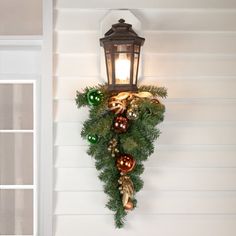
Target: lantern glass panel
point(109, 68)
point(135, 67)
point(122, 68)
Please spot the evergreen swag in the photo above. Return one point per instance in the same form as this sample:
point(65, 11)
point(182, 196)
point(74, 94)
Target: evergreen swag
point(106, 144)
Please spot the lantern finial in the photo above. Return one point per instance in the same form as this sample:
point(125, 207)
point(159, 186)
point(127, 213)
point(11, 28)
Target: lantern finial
point(121, 20)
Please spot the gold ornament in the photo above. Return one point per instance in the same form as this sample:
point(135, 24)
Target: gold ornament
point(132, 114)
point(129, 206)
point(112, 147)
point(134, 103)
point(126, 189)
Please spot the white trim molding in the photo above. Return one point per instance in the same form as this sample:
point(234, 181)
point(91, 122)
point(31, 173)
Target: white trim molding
point(46, 118)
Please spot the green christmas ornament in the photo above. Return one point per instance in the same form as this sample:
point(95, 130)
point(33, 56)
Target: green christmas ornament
point(94, 97)
point(92, 138)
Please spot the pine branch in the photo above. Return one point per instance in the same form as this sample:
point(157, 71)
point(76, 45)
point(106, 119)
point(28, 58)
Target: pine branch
point(156, 91)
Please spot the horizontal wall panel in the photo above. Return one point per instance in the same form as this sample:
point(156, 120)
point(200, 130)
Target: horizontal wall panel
point(153, 65)
point(66, 87)
point(156, 42)
point(175, 157)
point(77, 42)
point(76, 179)
point(72, 156)
point(187, 19)
point(188, 65)
point(166, 202)
point(151, 19)
point(207, 110)
point(78, 19)
point(216, 88)
point(155, 179)
point(72, 203)
point(171, 134)
point(139, 225)
point(187, 88)
point(20, 61)
point(194, 42)
point(74, 65)
point(67, 111)
point(129, 4)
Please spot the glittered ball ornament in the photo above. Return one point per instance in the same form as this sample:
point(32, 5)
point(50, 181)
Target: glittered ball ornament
point(92, 138)
point(132, 114)
point(94, 97)
point(116, 106)
point(134, 103)
point(125, 163)
point(120, 124)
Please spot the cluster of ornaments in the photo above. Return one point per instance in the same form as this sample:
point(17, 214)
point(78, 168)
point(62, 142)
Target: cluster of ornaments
point(126, 110)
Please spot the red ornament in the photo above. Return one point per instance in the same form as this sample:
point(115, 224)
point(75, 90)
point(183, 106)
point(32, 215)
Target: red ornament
point(125, 163)
point(120, 124)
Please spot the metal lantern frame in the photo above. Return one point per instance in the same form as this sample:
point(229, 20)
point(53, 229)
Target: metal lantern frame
point(122, 41)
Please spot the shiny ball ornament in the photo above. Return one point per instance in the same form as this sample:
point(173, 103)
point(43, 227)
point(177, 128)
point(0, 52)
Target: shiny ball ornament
point(132, 114)
point(129, 206)
point(116, 106)
point(94, 97)
point(120, 124)
point(92, 138)
point(125, 163)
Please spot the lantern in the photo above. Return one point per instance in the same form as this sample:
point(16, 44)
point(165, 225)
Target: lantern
point(122, 52)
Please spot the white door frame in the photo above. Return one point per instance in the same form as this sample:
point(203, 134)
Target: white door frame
point(46, 130)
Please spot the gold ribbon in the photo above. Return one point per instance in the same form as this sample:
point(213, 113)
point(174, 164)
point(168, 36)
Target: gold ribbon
point(118, 105)
point(128, 95)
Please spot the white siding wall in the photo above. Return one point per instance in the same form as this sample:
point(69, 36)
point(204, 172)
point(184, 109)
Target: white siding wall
point(190, 181)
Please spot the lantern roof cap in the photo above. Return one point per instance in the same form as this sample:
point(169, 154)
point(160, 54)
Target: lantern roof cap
point(121, 31)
